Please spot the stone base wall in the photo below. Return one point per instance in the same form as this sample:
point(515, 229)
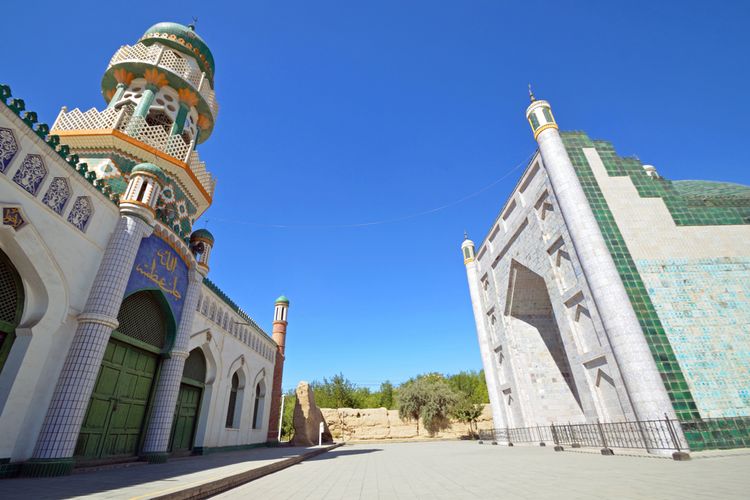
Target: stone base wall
point(380, 423)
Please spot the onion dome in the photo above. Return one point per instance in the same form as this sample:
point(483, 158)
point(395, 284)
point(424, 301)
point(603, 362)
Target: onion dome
point(202, 234)
point(150, 169)
point(282, 299)
point(182, 39)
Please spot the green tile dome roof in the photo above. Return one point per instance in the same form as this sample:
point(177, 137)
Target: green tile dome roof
point(204, 234)
point(183, 39)
point(711, 189)
point(282, 299)
point(150, 168)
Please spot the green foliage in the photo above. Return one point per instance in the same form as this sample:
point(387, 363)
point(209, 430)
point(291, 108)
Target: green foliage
point(386, 395)
point(428, 399)
point(466, 411)
point(287, 423)
point(472, 385)
point(340, 392)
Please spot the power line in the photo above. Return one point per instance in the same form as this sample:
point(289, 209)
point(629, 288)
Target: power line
point(383, 221)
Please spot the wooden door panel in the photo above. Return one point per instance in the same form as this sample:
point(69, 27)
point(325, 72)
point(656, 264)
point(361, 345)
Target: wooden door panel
point(185, 419)
point(118, 405)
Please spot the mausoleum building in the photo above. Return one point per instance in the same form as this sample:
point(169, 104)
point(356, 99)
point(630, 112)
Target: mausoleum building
point(114, 344)
point(604, 292)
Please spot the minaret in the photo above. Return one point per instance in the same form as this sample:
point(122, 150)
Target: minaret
point(485, 343)
point(641, 377)
point(279, 336)
point(161, 106)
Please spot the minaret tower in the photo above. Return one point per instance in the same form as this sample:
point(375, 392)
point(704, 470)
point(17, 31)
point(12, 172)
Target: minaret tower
point(279, 336)
point(160, 107)
point(485, 343)
point(641, 377)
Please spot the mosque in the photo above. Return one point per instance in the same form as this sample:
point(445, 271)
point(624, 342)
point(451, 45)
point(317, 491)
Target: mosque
point(114, 344)
point(604, 292)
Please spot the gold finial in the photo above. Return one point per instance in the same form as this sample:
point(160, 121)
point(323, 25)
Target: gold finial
point(531, 94)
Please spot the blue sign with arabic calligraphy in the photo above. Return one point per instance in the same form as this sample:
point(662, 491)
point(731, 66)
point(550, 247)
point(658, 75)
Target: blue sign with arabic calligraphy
point(159, 267)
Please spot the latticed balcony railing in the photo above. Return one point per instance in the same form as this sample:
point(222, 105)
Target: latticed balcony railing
point(136, 127)
point(164, 58)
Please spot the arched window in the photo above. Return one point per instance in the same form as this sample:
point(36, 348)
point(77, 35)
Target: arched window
point(195, 366)
point(260, 396)
point(11, 305)
point(232, 418)
point(142, 317)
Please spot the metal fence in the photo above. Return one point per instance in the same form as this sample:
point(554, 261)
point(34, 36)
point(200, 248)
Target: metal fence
point(721, 433)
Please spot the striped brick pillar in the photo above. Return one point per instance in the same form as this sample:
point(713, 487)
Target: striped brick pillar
point(279, 336)
point(156, 444)
point(57, 439)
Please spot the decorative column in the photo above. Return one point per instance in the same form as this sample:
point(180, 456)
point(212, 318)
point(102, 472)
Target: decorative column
point(156, 444)
point(154, 81)
point(640, 375)
point(279, 336)
point(204, 123)
point(188, 99)
point(499, 420)
point(124, 78)
point(53, 455)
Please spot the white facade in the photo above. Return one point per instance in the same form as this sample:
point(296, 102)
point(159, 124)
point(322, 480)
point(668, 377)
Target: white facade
point(113, 343)
point(57, 264)
point(541, 338)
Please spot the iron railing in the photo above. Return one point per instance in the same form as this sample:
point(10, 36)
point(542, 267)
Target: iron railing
point(664, 434)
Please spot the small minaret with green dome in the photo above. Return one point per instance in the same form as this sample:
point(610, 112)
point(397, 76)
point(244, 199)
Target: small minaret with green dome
point(280, 322)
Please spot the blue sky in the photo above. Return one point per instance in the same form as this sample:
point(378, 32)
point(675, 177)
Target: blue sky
point(336, 113)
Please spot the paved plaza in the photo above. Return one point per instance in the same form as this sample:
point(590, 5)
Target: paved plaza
point(463, 469)
point(141, 481)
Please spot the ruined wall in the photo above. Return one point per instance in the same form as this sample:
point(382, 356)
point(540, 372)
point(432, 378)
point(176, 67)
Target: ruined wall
point(379, 424)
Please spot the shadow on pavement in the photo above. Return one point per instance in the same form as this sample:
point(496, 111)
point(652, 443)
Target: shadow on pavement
point(101, 481)
point(340, 452)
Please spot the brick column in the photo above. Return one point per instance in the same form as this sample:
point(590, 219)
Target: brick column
point(279, 336)
point(53, 454)
point(156, 444)
point(273, 423)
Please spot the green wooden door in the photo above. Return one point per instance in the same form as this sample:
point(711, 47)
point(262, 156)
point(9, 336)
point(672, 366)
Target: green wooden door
point(185, 418)
point(117, 409)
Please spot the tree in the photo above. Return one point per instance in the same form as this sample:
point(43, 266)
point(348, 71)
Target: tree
point(471, 385)
point(386, 395)
point(467, 412)
point(287, 422)
point(339, 392)
point(428, 399)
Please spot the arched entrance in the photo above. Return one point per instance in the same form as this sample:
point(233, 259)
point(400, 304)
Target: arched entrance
point(119, 403)
point(11, 305)
point(188, 403)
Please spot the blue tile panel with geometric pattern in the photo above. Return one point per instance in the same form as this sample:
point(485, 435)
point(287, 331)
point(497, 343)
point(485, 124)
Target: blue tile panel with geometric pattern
point(714, 209)
point(703, 305)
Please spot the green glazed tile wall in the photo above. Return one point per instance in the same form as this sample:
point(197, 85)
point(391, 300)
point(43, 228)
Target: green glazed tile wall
point(684, 213)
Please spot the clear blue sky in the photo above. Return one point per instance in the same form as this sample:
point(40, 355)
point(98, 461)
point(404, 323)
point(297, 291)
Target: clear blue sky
point(336, 113)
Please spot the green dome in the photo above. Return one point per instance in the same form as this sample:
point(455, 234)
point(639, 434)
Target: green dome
point(282, 299)
point(204, 234)
point(183, 39)
point(711, 189)
point(150, 168)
